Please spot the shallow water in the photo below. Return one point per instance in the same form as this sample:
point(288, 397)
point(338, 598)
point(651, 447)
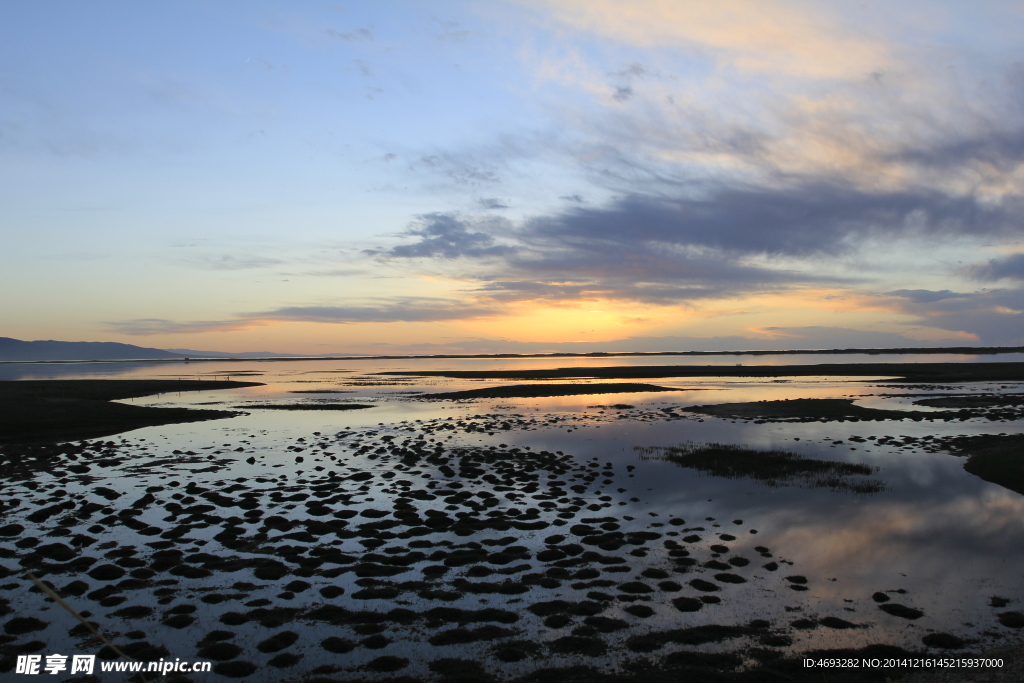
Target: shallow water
point(948, 539)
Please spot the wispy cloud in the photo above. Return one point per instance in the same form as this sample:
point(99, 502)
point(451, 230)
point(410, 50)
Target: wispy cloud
point(359, 34)
point(753, 35)
point(331, 272)
point(144, 327)
point(231, 262)
point(459, 168)
point(392, 310)
point(402, 309)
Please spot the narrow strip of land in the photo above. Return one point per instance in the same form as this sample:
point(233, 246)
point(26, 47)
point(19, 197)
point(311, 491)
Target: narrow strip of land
point(903, 351)
point(304, 406)
point(546, 390)
point(924, 373)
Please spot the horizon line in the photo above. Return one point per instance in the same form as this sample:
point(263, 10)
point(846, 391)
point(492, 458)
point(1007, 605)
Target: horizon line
point(968, 350)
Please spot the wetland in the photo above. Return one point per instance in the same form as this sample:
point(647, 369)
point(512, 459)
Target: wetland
point(484, 519)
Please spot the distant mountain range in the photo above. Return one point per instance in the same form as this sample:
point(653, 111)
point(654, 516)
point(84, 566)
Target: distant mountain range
point(17, 350)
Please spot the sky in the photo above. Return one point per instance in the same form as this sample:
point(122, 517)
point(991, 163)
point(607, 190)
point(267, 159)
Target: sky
point(512, 176)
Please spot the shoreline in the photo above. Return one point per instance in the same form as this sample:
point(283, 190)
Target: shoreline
point(927, 373)
point(966, 350)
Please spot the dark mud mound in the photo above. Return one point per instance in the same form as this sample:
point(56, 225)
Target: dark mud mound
point(973, 401)
point(994, 407)
point(808, 410)
point(544, 390)
point(73, 409)
point(772, 467)
point(995, 458)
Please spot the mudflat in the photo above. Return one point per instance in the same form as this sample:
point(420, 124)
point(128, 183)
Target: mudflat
point(72, 409)
point(998, 458)
point(518, 538)
point(809, 409)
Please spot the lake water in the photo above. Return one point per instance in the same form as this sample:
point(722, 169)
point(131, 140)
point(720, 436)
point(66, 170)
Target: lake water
point(934, 539)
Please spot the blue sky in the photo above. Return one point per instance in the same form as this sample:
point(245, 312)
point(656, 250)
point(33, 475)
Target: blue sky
point(512, 176)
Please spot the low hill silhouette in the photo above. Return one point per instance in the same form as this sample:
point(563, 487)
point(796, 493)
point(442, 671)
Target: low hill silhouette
point(17, 350)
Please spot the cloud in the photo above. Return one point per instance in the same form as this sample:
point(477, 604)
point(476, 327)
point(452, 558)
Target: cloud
point(631, 71)
point(943, 302)
point(359, 35)
point(900, 124)
point(332, 272)
point(621, 289)
point(362, 67)
point(767, 147)
point(555, 293)
point(995, 317)
point(492, 203)
point(710, 198)
point(823, 337)
point(448, 31)
point(764, 36)
point(638, 272)
point(1001, 150)
point(926, 296)
point(229, 262)
point(446, 235)
point(710, 240)
point(804, 218)
point(622, 93)
point(397, 309)
point(460, 169)
point(151, 326)
point(402, 309)
point(1010, 268)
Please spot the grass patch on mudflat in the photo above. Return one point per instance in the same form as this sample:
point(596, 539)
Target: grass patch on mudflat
point(771, 467)
point(995, 458)
point(74, 409)
point(544, 390)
